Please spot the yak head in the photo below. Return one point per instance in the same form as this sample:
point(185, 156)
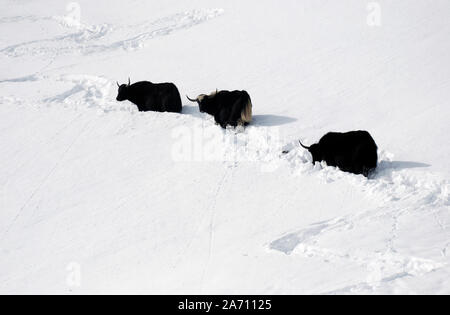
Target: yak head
point(205, 102)
point(315, 151)
point(123, 91)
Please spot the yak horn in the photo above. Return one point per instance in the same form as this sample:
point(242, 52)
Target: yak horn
point(129, 81)
point(307, 148)
point(192, 100)
point(118, 85)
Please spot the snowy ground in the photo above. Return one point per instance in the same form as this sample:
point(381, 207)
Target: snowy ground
point(96, 197)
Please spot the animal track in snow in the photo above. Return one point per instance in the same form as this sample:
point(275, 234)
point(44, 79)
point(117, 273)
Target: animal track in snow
point(100, 38)
point(86, 91)
point(59, 45)
point(162, 27)
point(400, 192)
point(381, 265)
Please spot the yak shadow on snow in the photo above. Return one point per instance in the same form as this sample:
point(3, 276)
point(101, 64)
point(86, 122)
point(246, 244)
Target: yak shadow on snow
point(387, 168)
point(258, 120)
point(191, 110)
point(400, 165)
point(271, 120)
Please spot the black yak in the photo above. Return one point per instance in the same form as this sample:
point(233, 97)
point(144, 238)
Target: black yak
point(353, 152)
point(163, 97)
point(228, 108)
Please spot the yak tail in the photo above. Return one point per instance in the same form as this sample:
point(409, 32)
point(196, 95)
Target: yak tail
point(247, 113)
point(307, 148)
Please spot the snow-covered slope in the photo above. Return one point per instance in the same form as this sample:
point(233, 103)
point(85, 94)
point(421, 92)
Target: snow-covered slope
point(96, 197)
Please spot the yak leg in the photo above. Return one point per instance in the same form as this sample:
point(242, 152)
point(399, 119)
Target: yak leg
point(152, 105)
point(342, 163)
point(366, 160)
point(236, 113)
point(171, 104)
point(221, 117)
point(237, 110)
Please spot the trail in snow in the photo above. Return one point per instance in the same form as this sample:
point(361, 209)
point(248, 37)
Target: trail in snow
point(90, 39)
point(400, 189)
point(212, 222)
point(401, 193)
point(43, 182)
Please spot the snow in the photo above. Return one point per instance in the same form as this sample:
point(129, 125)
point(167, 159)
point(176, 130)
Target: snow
point(96, 197)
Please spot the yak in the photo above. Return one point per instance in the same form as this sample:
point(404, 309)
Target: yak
point(229, 108)
point(147, 96)
point(354, 152)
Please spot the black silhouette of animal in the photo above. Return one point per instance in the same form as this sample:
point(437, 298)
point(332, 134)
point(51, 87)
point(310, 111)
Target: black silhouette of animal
point(354, 152)
point(229, 108)
point(147, 96)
